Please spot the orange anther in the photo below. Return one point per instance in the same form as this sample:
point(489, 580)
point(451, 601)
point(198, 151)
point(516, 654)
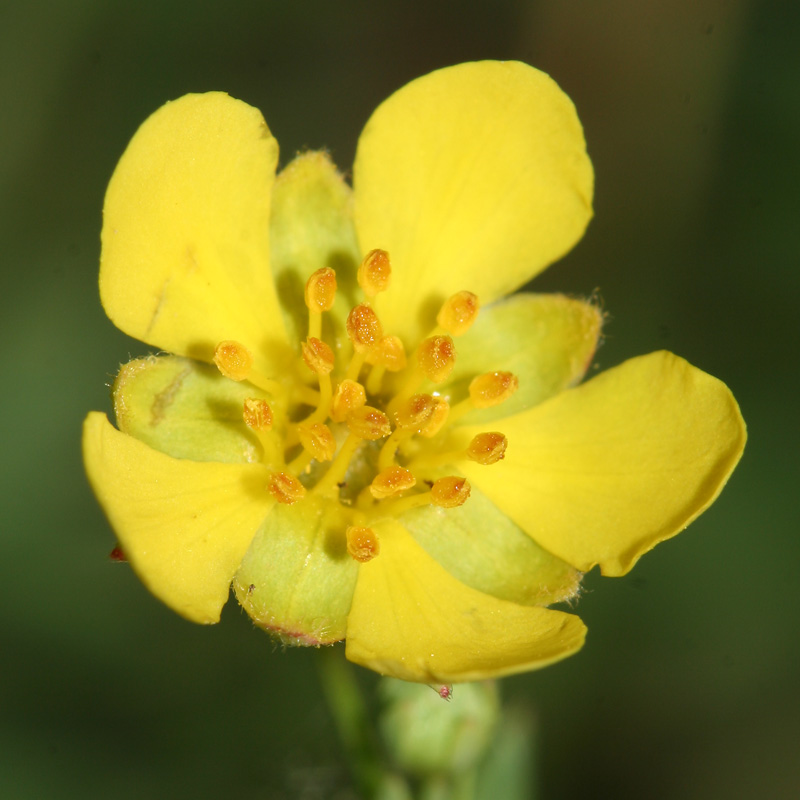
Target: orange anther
point(437, 419)
point(368, 423)
point(362, 543)
point(321, 290)
point(318, 440)
point(389, 354)
point(348, 396)
point(317, 355)
point(375, 272)
point(458, 313)
point(233, 360)
point(487, 448)
point(436, 357)
point(450, 492)
point(415, 413)
point(364, 328)
point(257, 414)
point(492, 388)
point(391, 481)
point(285, 488)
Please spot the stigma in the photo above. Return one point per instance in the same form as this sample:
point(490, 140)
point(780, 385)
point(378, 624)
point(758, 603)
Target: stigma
point(365, 423)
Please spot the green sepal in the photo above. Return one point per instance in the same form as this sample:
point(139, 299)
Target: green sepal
point(185, 409)
point(484, 549)
point(546, 340)
point(297, 579)
point(311, 226)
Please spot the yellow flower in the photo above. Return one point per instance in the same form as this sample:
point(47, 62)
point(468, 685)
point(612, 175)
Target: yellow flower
point(340, 434)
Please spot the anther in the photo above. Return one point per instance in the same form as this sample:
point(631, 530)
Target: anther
point(375, 272)
point(450, 492)
point(285, 488)
point(487, 448)
point(415, 413)
point(458, 313)
point(389, 354)
point(321, 290)
point(436, 357)
point(257, 414)
point(492, 388)
point(318, 356)
point(437, 419)
point(363, 328)
point(368, 423)
point(362, 543)
point(391, 481)
point(349, 395)
point(233, 360)
point(317, 440)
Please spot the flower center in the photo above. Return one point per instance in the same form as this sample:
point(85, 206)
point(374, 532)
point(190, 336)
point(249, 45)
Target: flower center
point(375, 445)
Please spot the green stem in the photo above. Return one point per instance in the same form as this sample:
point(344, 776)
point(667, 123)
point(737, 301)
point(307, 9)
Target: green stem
point(352, 721)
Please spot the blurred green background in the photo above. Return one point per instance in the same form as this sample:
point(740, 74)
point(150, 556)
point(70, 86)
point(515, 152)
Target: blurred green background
point(688, 685)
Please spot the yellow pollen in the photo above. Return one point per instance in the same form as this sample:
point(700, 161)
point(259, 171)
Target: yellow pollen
point(317, 440)
point(321, 290)
point(349, 395)
point(492, 388)
point(362, 543)
point(285, 488)
point(487, 448)
point(318, 356)
point(450, 492)
point(391, 481)
point(375, 272)
point(257, 414)
point(436, 358)
point(368, 423)
point(458, 313)
point(363, 328)
point(233, 360)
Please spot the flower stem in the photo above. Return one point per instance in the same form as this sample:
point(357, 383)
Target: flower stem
point(351, 718)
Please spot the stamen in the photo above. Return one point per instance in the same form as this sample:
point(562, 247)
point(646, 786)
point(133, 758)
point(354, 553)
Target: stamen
point(411, 416)
point(437, 420)
point(285, 488)
point(447, 492)
point(375, 272)
point(318, 356)
point(492, 388)
point(317, 440)
point(364, 330)
point(368, 423)
point(320, 294)
point(257, 414)
point(235, 361)
point(458, 313)
point(436, 358)
point(487, 448)
point(391, 481)
point(362, 543)
point(349, 396)
point(388, 354)
point(450, 492)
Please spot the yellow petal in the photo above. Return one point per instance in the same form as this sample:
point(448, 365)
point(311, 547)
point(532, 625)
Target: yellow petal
point(412, 620)
point(602, 473)
point(473, 177)
point(184, 526)
point(185, 244)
